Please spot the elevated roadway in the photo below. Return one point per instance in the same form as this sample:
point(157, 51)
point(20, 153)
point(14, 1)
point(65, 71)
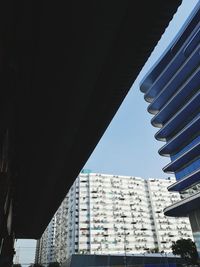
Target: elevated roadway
point(66, 67)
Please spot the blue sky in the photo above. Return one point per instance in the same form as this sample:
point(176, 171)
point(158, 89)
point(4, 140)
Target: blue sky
point(128, 146)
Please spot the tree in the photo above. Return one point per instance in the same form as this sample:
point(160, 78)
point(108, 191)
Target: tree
point(54, 264)
point(186, 248)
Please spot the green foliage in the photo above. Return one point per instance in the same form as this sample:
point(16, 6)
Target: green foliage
point(54, 264)
point(186, 248)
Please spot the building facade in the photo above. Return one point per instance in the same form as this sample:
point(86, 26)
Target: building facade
point(45, 247)
point(172, 88)
point(110, 214)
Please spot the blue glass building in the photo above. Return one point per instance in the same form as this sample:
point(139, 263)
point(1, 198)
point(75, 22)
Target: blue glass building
point(172, 88)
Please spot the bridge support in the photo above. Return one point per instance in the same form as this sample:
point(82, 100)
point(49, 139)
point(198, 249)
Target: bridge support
point(7, 251)
point(6, 233)
point(6, 208)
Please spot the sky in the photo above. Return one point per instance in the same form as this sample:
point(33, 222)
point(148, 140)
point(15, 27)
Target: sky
point(128, 146)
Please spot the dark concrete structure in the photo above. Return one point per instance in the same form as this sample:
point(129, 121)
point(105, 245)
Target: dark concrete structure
point(65, 69)
point(147, 260)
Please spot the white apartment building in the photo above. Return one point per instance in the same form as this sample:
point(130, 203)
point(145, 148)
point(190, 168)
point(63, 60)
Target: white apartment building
point(45, 248)
point(167, 229)
point(110, 214)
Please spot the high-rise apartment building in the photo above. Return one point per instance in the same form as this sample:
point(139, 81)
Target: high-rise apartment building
point(109, 214)
point(45, 248)
point(172, 87)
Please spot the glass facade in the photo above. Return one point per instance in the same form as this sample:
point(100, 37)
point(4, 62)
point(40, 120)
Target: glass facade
point(195, 165)
point(186, 148)
point(172, 88)
point(173, 91)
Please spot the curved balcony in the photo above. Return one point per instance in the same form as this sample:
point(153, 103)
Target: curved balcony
point(186, 182)
point(191, 24)
point(184, 159)
point(180, 118)
point(183, 207)
point(174, 65)
point(175, 82)
point(178, 140)
point(175, 102)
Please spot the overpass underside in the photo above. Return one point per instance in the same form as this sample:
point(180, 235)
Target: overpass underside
point(65, 68)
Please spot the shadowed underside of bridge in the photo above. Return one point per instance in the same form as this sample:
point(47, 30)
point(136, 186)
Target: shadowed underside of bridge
point(66, 67)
